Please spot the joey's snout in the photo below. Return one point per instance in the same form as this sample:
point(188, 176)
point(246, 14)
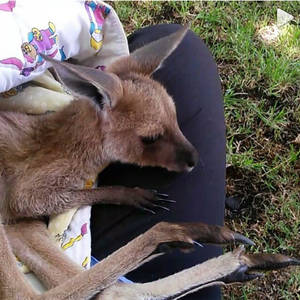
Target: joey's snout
point(187, 157)
point(174, 153)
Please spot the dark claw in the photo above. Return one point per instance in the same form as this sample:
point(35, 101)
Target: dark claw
point(147, 209)
point(166, 200)
point(162, 207)
point(163, 196)
point(241, 275)
point(198, 244)
point(294, 261)
point(242, 239)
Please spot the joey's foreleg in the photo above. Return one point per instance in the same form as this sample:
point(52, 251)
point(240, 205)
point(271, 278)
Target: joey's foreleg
point(12, 283)
point(133, 254)
point(40, 201)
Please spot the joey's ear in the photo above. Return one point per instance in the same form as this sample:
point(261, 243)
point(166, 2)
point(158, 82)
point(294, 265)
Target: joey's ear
point(100, 86)
point(151, 56)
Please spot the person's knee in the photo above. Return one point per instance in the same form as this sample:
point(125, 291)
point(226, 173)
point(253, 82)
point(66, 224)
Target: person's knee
point(151, 33)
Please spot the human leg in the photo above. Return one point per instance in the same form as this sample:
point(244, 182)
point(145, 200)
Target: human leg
point(190, 76)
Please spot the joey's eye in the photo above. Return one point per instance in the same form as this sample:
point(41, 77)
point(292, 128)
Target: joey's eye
point(148, 140)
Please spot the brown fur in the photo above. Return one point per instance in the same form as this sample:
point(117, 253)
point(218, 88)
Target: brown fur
point(120, 115)
point(45, 160)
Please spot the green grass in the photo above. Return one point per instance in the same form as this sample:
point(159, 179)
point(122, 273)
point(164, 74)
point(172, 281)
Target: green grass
point(262, 111)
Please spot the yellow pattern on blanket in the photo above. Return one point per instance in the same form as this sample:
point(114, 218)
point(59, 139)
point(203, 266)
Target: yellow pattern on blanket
point(58, 224)
point(41, 95)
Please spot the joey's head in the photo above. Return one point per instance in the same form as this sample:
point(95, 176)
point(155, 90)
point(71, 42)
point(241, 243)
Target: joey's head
point(138, 117)
point(142, 128)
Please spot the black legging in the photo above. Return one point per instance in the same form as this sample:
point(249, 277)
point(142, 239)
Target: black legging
point(191, 78)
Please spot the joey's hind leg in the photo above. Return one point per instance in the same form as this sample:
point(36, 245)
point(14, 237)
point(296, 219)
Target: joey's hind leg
point(12, 282)
point(31, 243)
point(231, 267)
point(130, 256)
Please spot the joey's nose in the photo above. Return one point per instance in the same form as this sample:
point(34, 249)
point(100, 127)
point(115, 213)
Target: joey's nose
point(192, 160)
point(191, 163)
point(187, 158)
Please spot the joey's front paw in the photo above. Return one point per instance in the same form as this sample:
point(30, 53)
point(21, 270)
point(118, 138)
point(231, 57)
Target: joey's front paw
point(147, 200)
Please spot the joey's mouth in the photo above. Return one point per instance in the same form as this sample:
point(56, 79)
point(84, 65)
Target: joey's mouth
point(172, 167)
point(190, 169)
point(185, 169)
point(163, 168)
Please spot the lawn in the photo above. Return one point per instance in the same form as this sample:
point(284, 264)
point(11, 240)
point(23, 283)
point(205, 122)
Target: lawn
point(262, 109)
